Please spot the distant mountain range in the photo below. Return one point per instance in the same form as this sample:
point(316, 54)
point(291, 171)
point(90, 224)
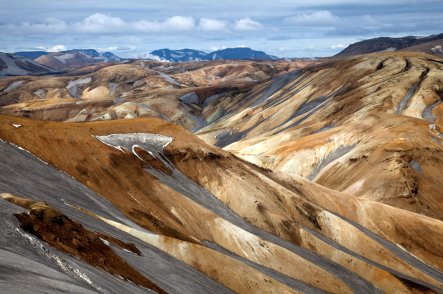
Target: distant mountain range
point(430, 44)
point(183, 55)
point(12, 65)
point(187, 55)
point(74, 57)
point(59, 60)
point(101, 56)
point(31, 54)
point(43, 62)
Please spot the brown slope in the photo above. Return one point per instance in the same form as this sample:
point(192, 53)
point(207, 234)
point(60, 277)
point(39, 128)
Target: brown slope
point(273, 205)
point(60, 60)
point(432, 47)
point(71, 237)
point(387, 44)
point(139, 88)
point(364, 120)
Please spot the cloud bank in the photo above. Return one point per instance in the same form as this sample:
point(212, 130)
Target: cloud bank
point(284, 28)
point(99, 23)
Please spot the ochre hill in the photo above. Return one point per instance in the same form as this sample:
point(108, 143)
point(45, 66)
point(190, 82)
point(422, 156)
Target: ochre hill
point(370, 126)
point(220, 176)
point(178, 92)
point(159, 187)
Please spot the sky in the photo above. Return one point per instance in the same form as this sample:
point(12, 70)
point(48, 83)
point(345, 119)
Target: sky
point(284, 28)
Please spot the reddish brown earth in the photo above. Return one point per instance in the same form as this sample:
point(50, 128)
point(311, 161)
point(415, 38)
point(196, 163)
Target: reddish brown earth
point(328, 179)
point(287, 208)
point(71, 237)
point(339, 124)
point(136, 89)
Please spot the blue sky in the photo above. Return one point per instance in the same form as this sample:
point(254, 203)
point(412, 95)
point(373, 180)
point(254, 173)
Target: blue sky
point(286, 28)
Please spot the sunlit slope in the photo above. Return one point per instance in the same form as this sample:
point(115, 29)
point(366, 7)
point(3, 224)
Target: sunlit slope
point(182, 93)
point(368, 125)
point(159, 187)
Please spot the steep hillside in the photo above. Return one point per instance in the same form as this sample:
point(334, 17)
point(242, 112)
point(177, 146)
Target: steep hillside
point(11, 65)
point(179, 92)
point(186, 217)
point(76, 57)
point(408, 43)
point(432, 47)
point(369, 125)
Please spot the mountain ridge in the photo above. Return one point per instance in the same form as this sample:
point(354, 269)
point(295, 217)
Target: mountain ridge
point(11, 65)
point(186, 55)
point(90, 52)
point(226, 176)
point(387, 44)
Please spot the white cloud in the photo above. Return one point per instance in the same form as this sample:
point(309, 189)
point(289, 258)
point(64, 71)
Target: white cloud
point(368, 19)
point(216, 48)
point(149, 56)
point(211, 24)
point(100, 23)
point(179, 23)
point(50, 25)
point(117, 48)
point(55, 48)
point(247, 24)
point(175, 23)
point(338, 46)
point(315, 19)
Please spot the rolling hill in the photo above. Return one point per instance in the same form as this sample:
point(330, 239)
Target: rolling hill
point(226, 176)
point(76, 57)
point(187, 55)
point(11, 65)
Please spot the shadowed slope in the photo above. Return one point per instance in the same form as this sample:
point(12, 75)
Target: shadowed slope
point(369, 125)
point(295, 233)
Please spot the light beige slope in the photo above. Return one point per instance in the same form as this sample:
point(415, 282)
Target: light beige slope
point(294, 229)
point(172, 91)
point(369, 125)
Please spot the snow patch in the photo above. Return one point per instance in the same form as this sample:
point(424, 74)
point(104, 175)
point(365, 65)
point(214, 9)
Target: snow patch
point(147, 141)
point(61, 263)
point(40, 93)
point(105, 241)
point(390, 49)
point(437, 49)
